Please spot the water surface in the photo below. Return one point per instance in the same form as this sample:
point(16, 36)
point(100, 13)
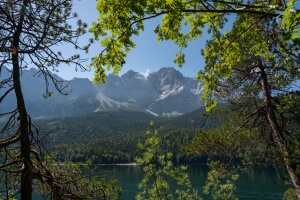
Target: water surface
point(259, 184)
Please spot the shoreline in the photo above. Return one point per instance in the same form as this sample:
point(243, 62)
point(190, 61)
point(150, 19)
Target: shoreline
point(121, 164)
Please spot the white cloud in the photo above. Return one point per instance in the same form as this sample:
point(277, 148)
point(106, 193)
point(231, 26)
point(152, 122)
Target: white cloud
point(146, 74)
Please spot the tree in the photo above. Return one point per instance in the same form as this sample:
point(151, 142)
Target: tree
point(261, 78)
point(157, 168)
point(230, 148)
point(30, 32)
point(220, 182)
point(256, 63)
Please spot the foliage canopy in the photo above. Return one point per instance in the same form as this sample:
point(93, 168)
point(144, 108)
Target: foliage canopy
point(254, 65)
point(119, 21)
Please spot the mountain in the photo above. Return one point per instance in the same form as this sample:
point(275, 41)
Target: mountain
point(162, 92)
point(165, 92)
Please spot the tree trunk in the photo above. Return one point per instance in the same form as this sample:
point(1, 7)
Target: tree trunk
point(26, 174)
point(288, 159)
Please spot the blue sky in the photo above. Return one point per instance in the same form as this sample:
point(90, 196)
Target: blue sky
point(148, 56)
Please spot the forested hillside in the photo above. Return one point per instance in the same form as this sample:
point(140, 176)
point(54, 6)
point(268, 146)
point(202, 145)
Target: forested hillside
point(112, 137)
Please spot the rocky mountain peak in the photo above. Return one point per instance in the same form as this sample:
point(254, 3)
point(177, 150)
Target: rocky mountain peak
point(161, 92)
point(168, 72)
point(128, 75)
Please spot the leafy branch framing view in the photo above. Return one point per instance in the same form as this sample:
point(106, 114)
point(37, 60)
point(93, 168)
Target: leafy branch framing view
point(253, 67)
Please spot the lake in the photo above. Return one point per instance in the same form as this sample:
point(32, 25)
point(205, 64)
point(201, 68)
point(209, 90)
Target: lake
point(260, 184)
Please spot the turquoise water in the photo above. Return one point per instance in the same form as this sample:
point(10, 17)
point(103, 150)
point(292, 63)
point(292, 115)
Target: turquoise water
point(260, 184)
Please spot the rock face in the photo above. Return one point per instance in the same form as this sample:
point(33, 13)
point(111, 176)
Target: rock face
point(166, 91)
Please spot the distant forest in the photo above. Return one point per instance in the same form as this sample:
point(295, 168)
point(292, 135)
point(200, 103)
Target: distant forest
point(112, 137)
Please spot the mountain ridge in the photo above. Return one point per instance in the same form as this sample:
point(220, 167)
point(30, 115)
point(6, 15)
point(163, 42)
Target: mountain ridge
point(165, 92)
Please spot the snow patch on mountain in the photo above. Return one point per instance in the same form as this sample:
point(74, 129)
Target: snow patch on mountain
point(107, 104)
point(198, 90)
point(152, 113)
point(169, 92)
